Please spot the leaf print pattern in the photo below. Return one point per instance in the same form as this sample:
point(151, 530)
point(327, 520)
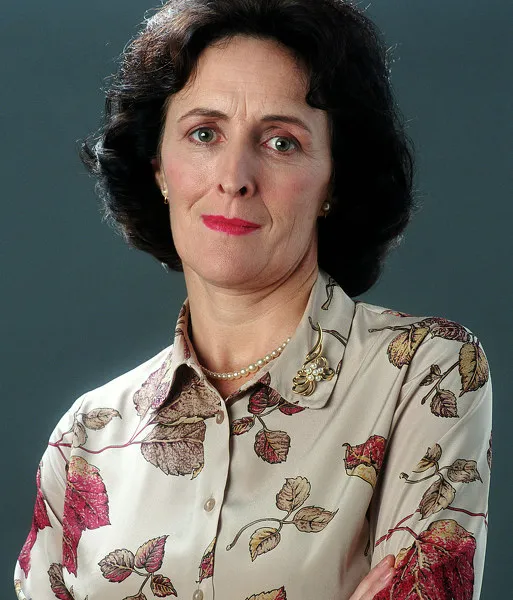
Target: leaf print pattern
point(489, 453)
point(153, 392)
point(86, 506)
point(206, 569)
point(57, 582)
point(271, 446)
point(119, 564)
point(365, 460)
point(175, 444)
point(437, 566)
point(309, 519)
point(472, 363)
point(273, 595)
point(40, 520)
point(441, 493)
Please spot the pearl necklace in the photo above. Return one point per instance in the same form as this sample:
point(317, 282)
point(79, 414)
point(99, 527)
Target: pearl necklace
point(252, 368)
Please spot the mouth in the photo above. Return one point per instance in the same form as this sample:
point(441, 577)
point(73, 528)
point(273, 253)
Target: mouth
point(229, 226)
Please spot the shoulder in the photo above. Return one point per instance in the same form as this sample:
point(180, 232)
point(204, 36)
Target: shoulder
point(421, 344)
point(118, 395)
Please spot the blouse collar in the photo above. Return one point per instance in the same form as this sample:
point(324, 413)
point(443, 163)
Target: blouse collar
point(328, 306)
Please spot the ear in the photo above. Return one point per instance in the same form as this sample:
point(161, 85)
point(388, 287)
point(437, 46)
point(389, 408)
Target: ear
point(155, 163)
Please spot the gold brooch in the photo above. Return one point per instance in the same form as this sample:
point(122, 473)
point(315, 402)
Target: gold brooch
point(314, 369)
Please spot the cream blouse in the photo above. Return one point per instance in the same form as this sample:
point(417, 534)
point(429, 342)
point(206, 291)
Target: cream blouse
point(370, 434)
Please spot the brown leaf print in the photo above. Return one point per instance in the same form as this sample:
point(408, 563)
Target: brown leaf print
point(444, 404)
point(150, 555)
point(273, 595)
point(402, 348)
point(86, 506)
point(161, 586)
point(207, 562)
point(263, 540)
point(430, 459)
point(98, 418)
point(40, 520)
point(117, 565)
point(312, 519)
point(139, 596)
point(434, 375)
point(175, 450)
point(473, 367)
point(437, 497)
point(463, 471)
point(153, 392)
point(489, 453)
point(444, 328)
point(293, 494)
point(437, 566)
point(272, 446)
point(79, 434)
point(240, 426)
point(57, 582)
point(396, 313)
point(365, 460)
point(194, 401)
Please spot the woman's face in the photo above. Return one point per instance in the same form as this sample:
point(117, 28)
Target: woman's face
point(239, 158)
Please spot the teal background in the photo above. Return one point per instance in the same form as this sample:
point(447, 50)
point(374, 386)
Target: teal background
point(78, 307)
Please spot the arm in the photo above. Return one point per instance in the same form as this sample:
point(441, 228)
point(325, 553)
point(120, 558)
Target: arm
point(38, 572)
point(430, 505)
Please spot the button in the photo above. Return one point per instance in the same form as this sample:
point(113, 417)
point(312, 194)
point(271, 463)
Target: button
point(219, 417)
point(209, 504)
point(198, 595)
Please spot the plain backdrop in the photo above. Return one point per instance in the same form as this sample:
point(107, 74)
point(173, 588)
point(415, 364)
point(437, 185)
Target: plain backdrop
point(78, 307)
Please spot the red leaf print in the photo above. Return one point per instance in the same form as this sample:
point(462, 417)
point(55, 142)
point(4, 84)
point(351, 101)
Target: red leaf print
point(263, 398)
point(437, 566)
point(272, 446)
point(207, 562)
point(86, 506)
point(240, 426)
point(161, 586)
point(365, 460)
point(149, 556)
point(444, 328)
point(117, 565)
point(290, 409)
point(40, 520)
point(57, 582)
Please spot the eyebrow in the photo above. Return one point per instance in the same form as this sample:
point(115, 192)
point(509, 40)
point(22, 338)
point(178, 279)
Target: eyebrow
point(217, 114)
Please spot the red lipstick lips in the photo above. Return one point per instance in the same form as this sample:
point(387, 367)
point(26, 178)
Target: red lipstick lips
point(229, 226)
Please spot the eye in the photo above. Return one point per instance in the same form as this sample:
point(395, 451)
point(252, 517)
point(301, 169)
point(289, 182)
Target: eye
point(288, 142)
point(205, 132)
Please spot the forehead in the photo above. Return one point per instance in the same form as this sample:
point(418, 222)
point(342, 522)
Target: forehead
point(247, 70)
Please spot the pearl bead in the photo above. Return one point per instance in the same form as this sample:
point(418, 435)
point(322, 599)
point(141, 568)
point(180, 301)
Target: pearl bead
point(260, 362)
point(274, 354)
point(242, 372)
point(267, 357)
point(252, 368)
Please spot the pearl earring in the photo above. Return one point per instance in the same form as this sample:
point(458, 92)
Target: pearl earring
point(164, 193)
point(326, 207)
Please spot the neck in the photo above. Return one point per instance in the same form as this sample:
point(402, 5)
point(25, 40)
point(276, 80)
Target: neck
point(231, 328)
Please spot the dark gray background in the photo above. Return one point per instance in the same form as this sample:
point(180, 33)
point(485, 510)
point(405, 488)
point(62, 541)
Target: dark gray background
point(78, 307)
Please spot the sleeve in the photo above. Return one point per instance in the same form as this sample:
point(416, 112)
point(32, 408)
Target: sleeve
point(38, 570)
point(430, 507)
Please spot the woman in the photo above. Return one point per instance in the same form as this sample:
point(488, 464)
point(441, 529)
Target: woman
point(291, 442)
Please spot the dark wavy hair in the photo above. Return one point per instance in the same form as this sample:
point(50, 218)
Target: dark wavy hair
point(348, 69)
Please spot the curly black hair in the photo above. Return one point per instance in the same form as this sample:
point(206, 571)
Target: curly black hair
point(348, 69)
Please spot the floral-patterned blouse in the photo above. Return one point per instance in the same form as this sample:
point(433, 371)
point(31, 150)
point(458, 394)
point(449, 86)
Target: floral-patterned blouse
point(370, 434)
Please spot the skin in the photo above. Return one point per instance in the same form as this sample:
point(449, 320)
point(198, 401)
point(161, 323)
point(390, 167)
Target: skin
point(247, 293)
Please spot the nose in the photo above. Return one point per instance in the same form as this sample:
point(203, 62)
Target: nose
point(236, 171)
